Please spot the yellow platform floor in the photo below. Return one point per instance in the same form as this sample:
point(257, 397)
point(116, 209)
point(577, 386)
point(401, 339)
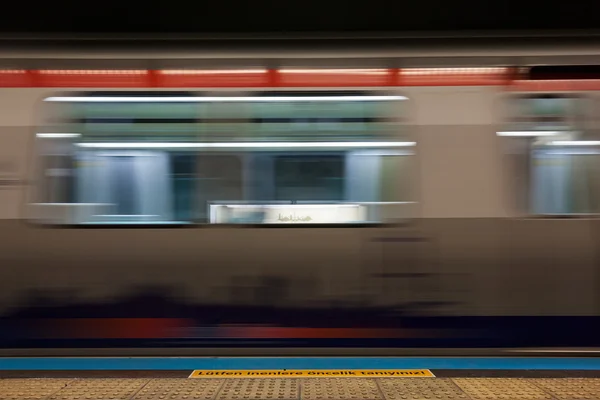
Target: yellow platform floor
point(403, 388)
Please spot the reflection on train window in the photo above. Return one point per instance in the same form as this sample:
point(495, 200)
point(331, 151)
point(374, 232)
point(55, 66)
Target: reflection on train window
point(172, 158)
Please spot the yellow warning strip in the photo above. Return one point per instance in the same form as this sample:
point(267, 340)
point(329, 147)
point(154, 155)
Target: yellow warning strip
point(325, 373)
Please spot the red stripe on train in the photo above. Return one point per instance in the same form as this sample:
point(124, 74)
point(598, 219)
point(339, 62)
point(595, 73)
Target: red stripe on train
point(255, 78)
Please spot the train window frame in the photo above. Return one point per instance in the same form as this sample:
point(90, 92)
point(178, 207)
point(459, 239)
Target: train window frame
point(526, 211)
point(194, 223)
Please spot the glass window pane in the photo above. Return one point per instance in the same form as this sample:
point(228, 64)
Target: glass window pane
point(327, 157)
point(560, 175)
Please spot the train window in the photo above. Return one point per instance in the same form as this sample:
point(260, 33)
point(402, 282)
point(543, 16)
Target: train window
point(309, 177)
point(58, 185)
point(181, 158)
point(183, 170)
point(557, 153)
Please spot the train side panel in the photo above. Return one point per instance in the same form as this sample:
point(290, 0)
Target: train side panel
point(465, 257)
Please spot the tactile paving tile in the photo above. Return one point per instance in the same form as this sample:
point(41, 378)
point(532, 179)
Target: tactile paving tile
point(500, 388)
point(30, 389)
point(340, 389)
point(181, 389)
point(571, 388)
point(100, 389)
point(419, 388)
point(259, 389)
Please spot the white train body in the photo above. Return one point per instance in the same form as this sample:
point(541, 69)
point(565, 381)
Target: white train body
point(466, 229)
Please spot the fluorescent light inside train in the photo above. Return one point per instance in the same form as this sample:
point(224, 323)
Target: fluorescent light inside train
point(210, 71)
point(257, 99)
point(335, 71)
point(529, 133)
point(287, 206)
point(58, 135)
point(142, 145)
point(575, 143)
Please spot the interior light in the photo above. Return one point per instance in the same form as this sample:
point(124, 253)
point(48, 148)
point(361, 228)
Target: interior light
point(211, 71)
point(58, 135)
point(141, 99)
point(93, 72)
point(335, 71)
point(575, 143)
point(529, 133)
point(572, 151)
point(318, 206)
point(154, 145)
point(453, 71)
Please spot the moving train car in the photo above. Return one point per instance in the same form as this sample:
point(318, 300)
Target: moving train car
point(232, 205)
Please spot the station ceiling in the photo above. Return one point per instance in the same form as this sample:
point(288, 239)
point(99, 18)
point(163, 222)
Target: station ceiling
point(288, 17)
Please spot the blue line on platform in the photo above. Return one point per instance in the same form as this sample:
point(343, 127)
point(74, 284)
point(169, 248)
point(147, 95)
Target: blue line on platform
point(241, 363)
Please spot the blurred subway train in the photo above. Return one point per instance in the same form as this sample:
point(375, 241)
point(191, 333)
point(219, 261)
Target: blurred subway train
point(300, 207)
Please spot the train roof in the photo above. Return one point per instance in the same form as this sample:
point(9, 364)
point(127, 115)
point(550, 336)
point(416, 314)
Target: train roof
point(153, 51)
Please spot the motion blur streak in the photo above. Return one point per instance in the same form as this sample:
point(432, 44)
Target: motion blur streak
point(165, 328)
